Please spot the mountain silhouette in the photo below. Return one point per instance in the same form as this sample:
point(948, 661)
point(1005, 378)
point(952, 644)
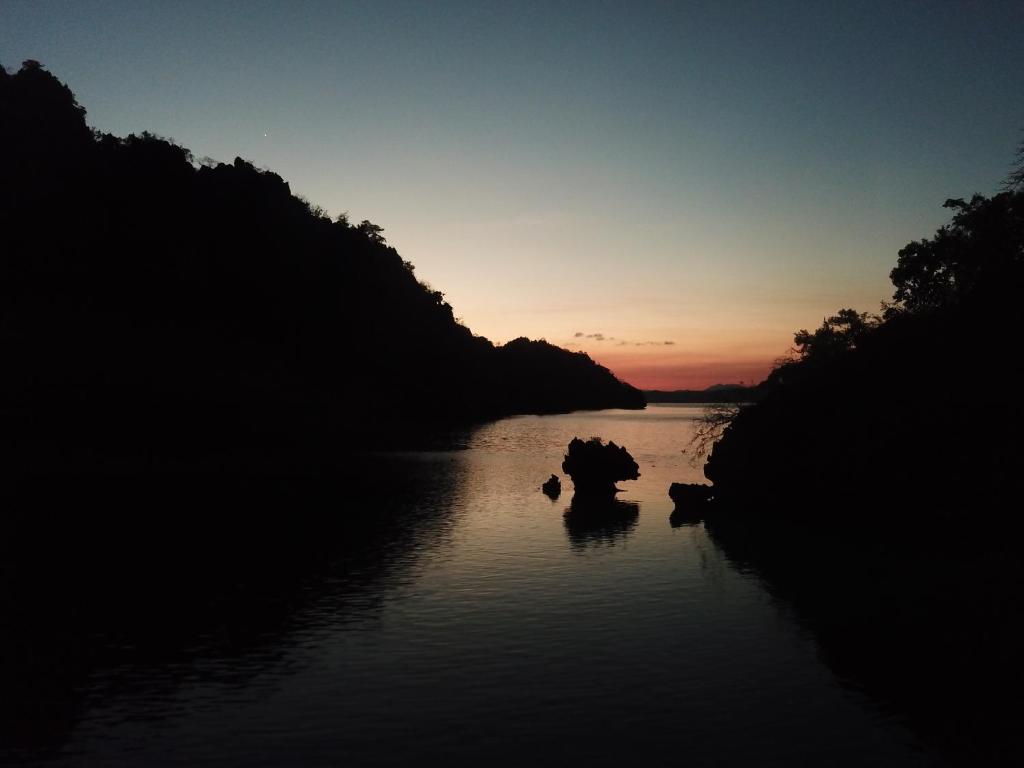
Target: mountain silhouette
point(164, 313)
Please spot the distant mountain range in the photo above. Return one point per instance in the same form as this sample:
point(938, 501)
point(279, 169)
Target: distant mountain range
point(716, 393)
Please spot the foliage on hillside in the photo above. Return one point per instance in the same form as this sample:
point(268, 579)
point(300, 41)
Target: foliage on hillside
point(911, 410)
point(157, 309)
point(874, 487)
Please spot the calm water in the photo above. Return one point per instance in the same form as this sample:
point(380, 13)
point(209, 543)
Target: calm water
point(479, 624)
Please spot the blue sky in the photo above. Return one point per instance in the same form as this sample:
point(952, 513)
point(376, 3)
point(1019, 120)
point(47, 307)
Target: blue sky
point(716, 175)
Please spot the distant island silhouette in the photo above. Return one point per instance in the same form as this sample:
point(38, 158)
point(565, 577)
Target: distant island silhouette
point(165, 313)
point(717, 393)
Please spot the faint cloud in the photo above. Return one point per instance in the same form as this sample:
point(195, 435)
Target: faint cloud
point(621, 342)
point(653, 343)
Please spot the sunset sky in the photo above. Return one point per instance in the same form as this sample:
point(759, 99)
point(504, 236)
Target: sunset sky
point(672, 188)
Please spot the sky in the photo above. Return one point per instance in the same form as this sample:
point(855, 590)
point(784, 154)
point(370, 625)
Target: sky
point(673, 188)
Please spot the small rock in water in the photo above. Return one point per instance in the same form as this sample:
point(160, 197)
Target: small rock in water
point(690, 493)
point(595, 467)
point(552, 487)
point(692, 502)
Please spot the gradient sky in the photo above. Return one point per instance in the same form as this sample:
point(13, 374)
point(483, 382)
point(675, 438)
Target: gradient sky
point(674, 188)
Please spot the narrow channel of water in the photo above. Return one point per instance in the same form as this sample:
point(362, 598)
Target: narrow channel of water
point(479, 624)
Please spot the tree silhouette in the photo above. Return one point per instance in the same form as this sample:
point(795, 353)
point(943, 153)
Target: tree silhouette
point(898, 408)
point(1015, 179)
point(837, 334)
point(373, 232)
point(980, 250)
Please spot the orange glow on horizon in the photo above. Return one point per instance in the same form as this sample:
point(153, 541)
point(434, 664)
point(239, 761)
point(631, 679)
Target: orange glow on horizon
point(672, 376)
point(684, 371)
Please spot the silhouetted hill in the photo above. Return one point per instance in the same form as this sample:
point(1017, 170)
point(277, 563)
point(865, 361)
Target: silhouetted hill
point(159, 312)
point(527, 385)
point(717, 393)
point(875, 487)
point(896, 410)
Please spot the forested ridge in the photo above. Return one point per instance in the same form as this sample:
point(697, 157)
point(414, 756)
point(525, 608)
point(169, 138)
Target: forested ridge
point(874, 485)
point(157, 311)
point(913, 410)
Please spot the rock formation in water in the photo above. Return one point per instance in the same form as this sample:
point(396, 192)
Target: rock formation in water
point(552, 487)
point(692, 502)
point(595, 467)
point(690, 494)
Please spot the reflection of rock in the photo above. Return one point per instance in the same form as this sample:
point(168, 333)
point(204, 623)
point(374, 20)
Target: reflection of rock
point(892, 614)
point(693, 502)
point(690, 494)
point(593, 520)
point(552, 487)
point(684, 517)
point(595, 467)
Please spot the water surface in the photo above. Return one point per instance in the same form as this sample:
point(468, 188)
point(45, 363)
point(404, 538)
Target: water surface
point(474, 622)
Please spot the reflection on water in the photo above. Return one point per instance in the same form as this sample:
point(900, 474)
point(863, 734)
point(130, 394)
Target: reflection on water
point(421, 607)
point(595, 522)
point(128, 595)
point(685, 516)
